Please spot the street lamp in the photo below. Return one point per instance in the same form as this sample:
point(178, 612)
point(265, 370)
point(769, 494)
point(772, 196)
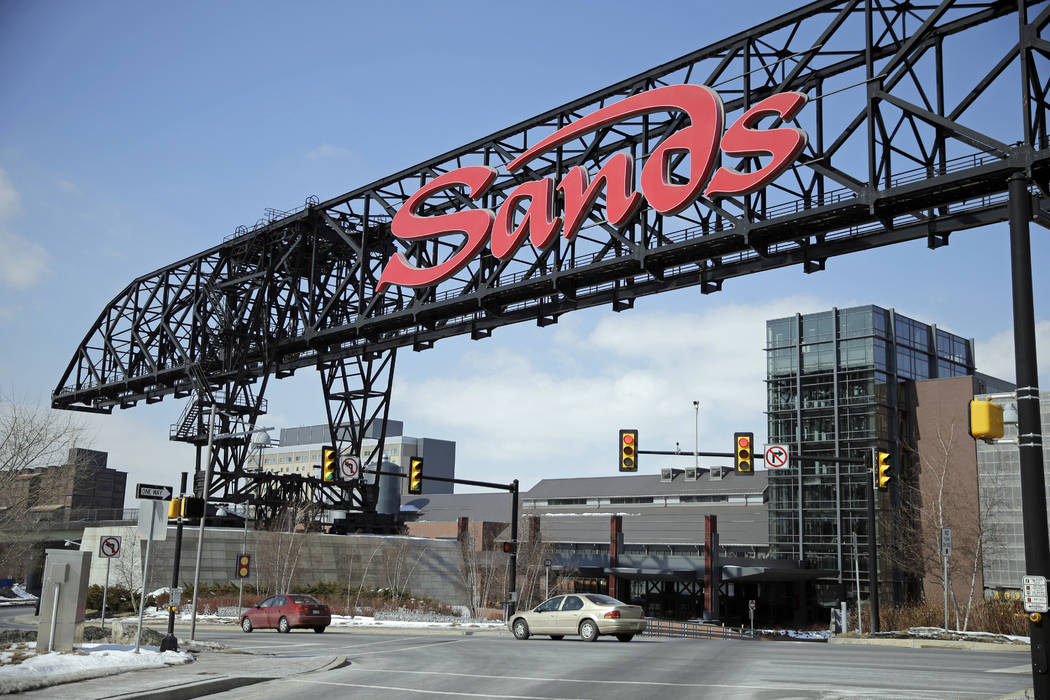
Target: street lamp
point(696, 447)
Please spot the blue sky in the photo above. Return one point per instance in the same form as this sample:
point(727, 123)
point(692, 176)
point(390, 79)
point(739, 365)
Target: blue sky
point(135, 134)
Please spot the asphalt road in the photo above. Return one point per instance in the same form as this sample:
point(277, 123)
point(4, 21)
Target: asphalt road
point(8, 613)
point(398, 665)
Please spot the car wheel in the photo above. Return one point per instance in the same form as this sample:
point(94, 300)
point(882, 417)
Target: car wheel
point(625, 637)
point(556, 637)
point(283, 626)
point(319, 629)
point(246, 625)
point(521, 629)
point(588, 630)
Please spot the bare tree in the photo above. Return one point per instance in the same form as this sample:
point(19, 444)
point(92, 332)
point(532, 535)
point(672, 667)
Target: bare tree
point(934, 501)
point(482, 573)
point(400, 564)
point(31, 438)
point(281, 546)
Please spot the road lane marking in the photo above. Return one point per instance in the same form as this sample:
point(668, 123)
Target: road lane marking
point(1023, 668)
point(815, 687)
point(459, 693)
point(400, 649)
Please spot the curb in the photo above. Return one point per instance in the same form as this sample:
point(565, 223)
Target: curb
point(918, 643)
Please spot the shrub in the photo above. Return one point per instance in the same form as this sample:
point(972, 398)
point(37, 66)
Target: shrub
point(118, 599)
point(999, 616)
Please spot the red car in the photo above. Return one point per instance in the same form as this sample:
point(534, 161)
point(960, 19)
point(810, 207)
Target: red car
point(287, 611)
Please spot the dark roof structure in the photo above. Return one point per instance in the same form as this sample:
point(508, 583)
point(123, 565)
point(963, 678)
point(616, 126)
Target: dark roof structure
point(650, 485)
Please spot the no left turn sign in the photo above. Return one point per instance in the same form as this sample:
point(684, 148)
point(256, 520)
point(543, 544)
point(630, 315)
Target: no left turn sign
point(776, 456)
point(350, 467)
point(109, 547)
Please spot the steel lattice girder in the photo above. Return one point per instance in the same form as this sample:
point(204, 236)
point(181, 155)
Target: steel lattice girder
point(897, 151)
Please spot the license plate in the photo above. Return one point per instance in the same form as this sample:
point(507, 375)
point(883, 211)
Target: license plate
point(315, 611)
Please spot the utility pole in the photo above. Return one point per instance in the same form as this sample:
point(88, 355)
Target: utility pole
point(1029, 437)
point(873, 552)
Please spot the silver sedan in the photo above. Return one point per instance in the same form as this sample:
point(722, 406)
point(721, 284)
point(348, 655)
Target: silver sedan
point(586, 614)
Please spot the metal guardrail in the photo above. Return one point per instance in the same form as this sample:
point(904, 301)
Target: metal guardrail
point(691, 629)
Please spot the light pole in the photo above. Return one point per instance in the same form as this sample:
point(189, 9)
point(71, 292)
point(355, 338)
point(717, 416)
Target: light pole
point(696, 445)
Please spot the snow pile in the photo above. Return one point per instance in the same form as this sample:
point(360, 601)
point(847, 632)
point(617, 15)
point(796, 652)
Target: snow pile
point(88, 661)
point(16, 595)
point(970, 636)
point(404, 615)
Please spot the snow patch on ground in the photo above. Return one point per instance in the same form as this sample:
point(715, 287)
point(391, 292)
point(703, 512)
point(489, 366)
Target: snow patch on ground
point(87, 661)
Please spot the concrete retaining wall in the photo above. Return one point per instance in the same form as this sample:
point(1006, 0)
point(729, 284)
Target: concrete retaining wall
point(421, 566)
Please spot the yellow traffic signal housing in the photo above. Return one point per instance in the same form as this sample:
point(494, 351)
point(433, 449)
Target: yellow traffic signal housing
point(192, 507)
point(743, 449)
point(329, 464)
point(986, 420)
point(882, 467)
point(415, 475)
point(628, 450)
point(174, 508)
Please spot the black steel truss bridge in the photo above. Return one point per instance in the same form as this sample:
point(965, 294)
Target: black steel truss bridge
point(918, 114)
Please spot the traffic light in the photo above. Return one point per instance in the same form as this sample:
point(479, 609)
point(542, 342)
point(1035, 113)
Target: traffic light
point(244, 565)
point(743, 449)
point(329, 464)
point(192, 507)
point(882, 470)
point(628, 450)
point(174, 508)
point(510, 547)
point(415, 475)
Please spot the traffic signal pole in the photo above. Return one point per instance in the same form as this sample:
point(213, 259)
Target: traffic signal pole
point(512, 573)
point(1029, 437)
point(170, 642)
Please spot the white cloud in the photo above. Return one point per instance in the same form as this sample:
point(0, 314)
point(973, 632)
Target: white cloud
point(554, 409)
point(9, 198)
point(328, 151)
point(22, 262)
point(995, 355)
point(137, 443)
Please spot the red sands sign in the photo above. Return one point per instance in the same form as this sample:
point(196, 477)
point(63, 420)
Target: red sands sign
point(701, 139)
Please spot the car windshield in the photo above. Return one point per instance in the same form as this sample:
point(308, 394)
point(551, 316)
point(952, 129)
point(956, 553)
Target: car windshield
point(599, 599)
point(303, 600)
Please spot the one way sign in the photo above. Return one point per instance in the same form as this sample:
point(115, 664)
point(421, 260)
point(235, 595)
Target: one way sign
point(154, 492)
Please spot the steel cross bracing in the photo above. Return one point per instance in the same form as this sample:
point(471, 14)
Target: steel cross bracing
point(918, 113)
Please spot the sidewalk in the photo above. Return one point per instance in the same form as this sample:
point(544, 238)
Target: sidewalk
point(212, 672)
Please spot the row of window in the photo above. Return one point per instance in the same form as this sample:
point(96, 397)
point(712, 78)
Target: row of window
point(867, 321)
point(620, 500)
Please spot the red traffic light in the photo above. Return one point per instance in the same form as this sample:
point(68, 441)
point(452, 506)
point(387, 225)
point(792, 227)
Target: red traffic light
point(628, 439)
point(743, 441)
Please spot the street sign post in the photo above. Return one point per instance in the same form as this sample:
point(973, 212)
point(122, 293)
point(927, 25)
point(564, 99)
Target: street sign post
point(777, 456)
point(1035, 597)
point(751, 614)
point(350, 467)
point(108, 549)
point(946, 553)
point(154, 492)
point(153, 519)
